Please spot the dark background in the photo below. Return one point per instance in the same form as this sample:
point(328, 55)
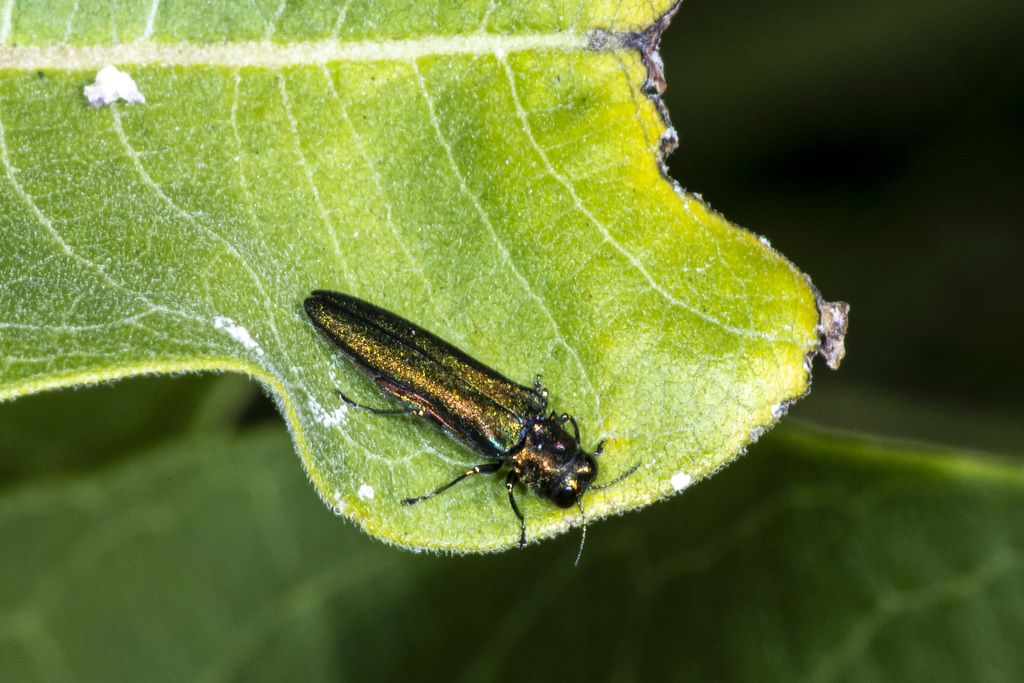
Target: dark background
point(880, 147)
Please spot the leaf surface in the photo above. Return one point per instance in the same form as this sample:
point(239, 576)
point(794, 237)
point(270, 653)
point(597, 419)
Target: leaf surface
point(493, 173)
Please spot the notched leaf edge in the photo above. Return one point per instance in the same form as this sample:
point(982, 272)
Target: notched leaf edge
point(646, 42)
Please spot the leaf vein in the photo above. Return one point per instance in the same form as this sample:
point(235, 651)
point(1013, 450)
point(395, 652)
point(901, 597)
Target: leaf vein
point(71, 21)
point(387, 205)
point(44, 221)
point(5, 22)
point(147, 33)
point(321, 209)
point(267, 54)
point(485, 218)
point(342, 13)
point(242, 180)
point(229, 248)
point(637, 265)
point(272, 24)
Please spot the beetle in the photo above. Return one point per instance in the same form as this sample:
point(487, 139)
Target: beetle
point(503, 422)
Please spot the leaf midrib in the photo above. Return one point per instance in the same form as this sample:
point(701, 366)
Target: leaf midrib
point(277, 55)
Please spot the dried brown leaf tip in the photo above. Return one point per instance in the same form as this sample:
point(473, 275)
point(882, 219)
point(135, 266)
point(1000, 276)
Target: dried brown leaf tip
point(835, 317)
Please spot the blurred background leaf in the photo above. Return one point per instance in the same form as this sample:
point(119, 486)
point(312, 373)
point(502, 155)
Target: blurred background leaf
point(822, 558)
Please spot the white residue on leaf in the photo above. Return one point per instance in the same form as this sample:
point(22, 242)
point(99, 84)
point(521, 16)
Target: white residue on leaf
point(238, 333)
point(779, 409)
point(365, 492)
point(756, 433)
point(327, 419)
point(334, 417)
point(112, 85)
point(680, 480)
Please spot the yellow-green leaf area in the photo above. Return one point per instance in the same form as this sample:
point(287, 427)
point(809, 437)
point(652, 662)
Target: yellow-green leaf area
point(71, 22)
point(502, 187)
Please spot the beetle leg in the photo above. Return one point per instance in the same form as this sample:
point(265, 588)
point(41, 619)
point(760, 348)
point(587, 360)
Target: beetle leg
point(375, 411)
point(566, 417)
point(538, 388)
point(486, 468)
point(510, 484)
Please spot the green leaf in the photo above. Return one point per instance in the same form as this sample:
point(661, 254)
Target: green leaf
point(818, 557)
point(491, 172)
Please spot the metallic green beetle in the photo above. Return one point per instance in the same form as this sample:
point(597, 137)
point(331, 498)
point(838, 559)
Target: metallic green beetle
point(502, 421)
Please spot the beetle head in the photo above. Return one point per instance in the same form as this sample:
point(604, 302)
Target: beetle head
point(567, 489)
point(553, 464)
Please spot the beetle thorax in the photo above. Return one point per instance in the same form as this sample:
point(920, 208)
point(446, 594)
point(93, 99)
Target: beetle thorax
point(552, 464)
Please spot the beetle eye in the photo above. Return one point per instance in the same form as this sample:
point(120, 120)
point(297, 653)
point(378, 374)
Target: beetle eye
point(565, 497)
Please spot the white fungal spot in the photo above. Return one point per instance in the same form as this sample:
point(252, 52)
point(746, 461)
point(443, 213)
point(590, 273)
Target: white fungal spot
point(334, 417)
point(756, 433)
point(365, 492)
point(779, 409)
point(112, 85)
point(680, 480)
point(238, 333)
point(327, 419)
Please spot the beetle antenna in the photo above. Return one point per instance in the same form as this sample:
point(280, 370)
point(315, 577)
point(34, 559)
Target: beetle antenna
point(619, 478)
point(582, 538)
